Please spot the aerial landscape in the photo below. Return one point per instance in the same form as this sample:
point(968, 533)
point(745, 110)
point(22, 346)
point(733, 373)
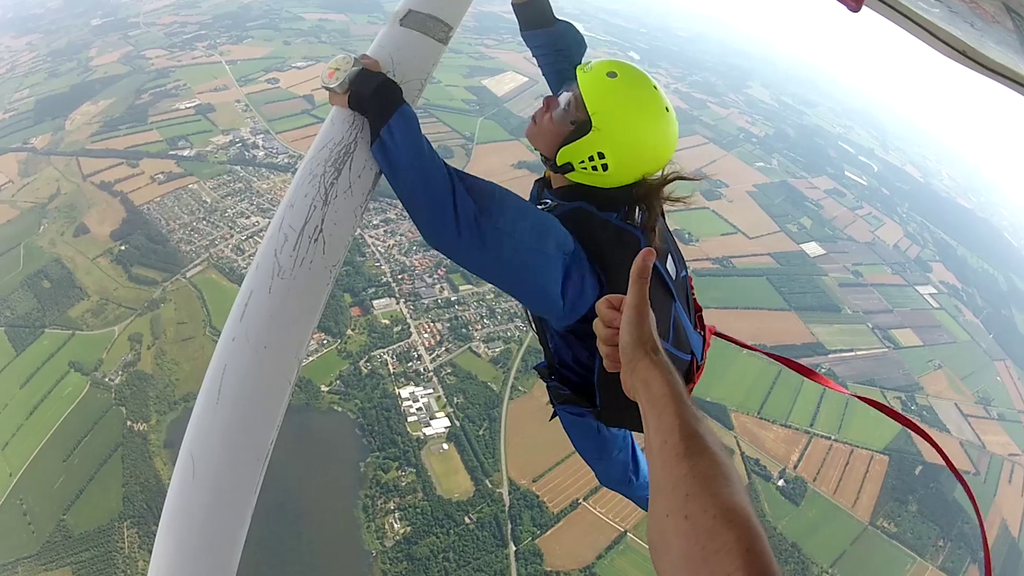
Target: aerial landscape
point(145, 147)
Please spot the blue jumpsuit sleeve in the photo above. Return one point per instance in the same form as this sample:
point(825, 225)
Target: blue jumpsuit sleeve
point(485, 228)
point(558, 51)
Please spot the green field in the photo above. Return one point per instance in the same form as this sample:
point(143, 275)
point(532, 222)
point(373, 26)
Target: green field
point(458, 279)
point(33, 428)
point(986, 380)
point(872, 553)
point(244, 68)
point(271, 95)
point(846, 336)
point(740, 292)
point(390, 315)
point(20, 229)
point(806, 404)
point(293, 123)
point(782, 397)
point(737, 379)
point(203, 126)
point(863, 426)
point(872, 269)
point(962, 358)
point(821, 528)
point(830, 414)
point(185, 340)
point(219, 293)
point(831, 318)
point(489, 131)
point(984, 488)
point(778, 508)
point(102, 500)
point(627, 559)
point(701, 222)
point(902, 297)
point(202, 74)
point(951, 324)
point(19, 369)
point(640, 530)
point(483, 369)
point(324, 368)
point(1015, 430)
point(7, 352)
point(203, 170)
point(449, 474)
point(58, 471)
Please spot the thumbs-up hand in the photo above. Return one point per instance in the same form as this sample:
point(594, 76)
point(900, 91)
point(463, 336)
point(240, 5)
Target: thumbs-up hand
point(626, 331)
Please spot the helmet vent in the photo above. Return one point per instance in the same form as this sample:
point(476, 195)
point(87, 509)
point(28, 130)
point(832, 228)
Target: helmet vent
point(594, 164)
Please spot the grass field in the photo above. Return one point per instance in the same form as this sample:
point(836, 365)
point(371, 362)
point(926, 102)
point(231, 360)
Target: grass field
point(185, 340)
point(962, 358)
point(872, 553)
point(778, 508)
point(203, 170)
point(219, 293)
point(831, 318)
point(200, 126)
point(25, 363)
point(830, 414)
point(902, 297)
point(984, 488)
point(702, 223)
point(446, 469)
point(863, 426)
point(782, 397)
point(1015, 430)
point(640, 530)
point(951, 324)
point(489, 130)
point(36, 501)
point(20, 229)
point(201, 74)
point(41, 400)
point(121, 346)
point(735, 378)
point(483, 369)
point(627, 559)
point(746, 293)
point(806, 404)
point(293, 123)
point(324, 368)
point(102, 499)
point(7, 352)
point(846, 336)
point(986, 380)
point(821, 528)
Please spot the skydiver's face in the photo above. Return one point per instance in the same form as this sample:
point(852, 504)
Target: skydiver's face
point(556, 118)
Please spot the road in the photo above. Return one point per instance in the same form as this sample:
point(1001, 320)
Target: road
point(504, 460)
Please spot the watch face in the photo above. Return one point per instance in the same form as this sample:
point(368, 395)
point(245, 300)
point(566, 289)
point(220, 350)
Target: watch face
point(337, 71)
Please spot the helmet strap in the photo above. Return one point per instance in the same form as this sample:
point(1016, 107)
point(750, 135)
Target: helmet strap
point(552, 166)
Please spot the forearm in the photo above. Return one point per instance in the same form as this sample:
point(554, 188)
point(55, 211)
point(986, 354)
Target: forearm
point(700, 519)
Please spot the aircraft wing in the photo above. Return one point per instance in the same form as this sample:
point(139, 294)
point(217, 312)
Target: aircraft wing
point(984, 35)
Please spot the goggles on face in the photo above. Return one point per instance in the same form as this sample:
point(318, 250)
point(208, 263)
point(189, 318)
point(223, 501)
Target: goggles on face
point(566, 115)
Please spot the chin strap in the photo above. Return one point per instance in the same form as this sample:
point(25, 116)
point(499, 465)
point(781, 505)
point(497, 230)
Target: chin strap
point(553, 167)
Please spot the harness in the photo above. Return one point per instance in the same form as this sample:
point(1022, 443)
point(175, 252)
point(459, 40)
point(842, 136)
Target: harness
point(608, 226)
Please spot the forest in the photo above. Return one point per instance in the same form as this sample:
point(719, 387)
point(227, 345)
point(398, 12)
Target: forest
point(142, 243)
point(42, 297)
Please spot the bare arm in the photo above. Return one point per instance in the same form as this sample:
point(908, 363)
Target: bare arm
point(700, 520)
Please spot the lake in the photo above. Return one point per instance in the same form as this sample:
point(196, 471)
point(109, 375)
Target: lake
point(305, 520)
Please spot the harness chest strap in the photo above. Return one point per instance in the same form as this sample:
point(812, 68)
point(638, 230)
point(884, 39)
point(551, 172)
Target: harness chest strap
point(888, 411)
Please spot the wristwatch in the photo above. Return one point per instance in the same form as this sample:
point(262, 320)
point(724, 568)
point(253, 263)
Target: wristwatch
point(339, 73)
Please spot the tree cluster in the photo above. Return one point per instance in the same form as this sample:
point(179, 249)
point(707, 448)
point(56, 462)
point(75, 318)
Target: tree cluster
point(41, 297)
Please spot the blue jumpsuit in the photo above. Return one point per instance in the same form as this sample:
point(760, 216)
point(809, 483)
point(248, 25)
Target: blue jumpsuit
point(510, 243)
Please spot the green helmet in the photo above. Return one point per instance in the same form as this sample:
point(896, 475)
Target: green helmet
point(633, 127)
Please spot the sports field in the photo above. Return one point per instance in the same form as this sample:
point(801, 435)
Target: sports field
point(446, 469)
point(219, 293)
point(902, 298)
point(737, 379)
point(739, 292)
point(481, 368)
point(701, 222)
point(782, 397)
point(628, 558)
point(874, 554)
point(846, 336)
point(324, 368)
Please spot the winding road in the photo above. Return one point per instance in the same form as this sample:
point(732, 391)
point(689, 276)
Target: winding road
point(504, 459)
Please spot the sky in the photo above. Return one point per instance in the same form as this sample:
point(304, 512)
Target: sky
point(976, 117)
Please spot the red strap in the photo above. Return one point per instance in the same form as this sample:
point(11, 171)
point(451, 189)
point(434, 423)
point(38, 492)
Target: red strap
point(885, 409)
